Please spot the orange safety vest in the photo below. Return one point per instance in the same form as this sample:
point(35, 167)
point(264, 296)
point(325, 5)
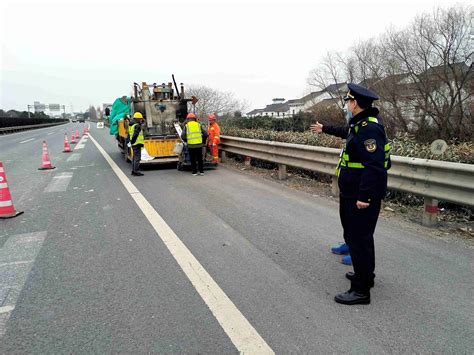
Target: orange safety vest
point(214, 133)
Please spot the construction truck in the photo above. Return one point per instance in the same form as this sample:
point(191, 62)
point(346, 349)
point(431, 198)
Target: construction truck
point(163, 107)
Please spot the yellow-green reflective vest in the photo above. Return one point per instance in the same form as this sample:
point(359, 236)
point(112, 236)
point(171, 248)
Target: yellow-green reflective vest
point(140, 138)
point(344, 159)
point(193, 132)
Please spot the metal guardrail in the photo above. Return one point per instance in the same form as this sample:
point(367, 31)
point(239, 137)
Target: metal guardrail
point(6, 130)
point(446, 181)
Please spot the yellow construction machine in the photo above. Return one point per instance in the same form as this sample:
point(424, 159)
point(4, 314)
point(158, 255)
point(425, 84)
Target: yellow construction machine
point(163, 106)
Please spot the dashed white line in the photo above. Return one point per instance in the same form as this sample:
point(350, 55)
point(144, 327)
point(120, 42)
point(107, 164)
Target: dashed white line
point(16, 263)
point(6, 309)
point(16, 258)
point(242, 334)
point(81, 143)
point(59, 182)
point(74, 157)
point(28, 140)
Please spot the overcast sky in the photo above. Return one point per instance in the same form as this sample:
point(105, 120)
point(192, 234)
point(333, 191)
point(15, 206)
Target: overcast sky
point(90, 52)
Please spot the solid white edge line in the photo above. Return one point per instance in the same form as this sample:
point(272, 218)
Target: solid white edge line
point(242, 334)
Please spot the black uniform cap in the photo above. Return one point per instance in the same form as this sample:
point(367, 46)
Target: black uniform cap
point(360, 93)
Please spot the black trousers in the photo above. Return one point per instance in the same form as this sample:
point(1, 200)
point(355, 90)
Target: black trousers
point(137, 156)
point(359, 226)
point(195, 154)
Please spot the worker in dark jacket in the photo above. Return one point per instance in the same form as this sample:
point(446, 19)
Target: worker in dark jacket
point(362, 179)
point(195, 136)
point(137, 141)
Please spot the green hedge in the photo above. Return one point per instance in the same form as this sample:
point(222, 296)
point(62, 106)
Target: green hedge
point(403, 145)
point(18, 121)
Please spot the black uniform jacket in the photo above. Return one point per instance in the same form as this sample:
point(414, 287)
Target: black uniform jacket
point(365, 146)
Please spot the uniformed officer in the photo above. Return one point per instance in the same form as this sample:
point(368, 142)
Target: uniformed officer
point(362, 180)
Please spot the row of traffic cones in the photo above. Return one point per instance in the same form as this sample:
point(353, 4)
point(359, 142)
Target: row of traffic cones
point(7, 210)
point(74, 138)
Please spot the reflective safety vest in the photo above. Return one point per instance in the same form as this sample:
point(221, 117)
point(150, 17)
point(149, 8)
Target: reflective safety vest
point(345, 161)
point(140, 138)
point(193, 133)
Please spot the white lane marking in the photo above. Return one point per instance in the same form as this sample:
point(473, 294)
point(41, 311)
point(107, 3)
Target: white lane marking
point(74, 157)
point(16, 263)
point(237, 327)
point(81, 144)
point(50, 133)
point(6, 309)
point(59, 182)
point(15, 270)
point(28, 140)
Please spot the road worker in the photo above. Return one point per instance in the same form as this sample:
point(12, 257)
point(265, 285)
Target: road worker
point(362, 180)
point(137, 141)
point(214, 138)
point(195, 136)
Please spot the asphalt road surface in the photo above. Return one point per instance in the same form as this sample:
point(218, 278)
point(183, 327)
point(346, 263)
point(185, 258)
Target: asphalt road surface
point(102, 261)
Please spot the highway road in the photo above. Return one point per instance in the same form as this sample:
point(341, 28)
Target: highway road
point(102, 261)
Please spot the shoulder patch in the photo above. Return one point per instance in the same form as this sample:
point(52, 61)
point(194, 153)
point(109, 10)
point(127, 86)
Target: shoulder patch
point(370, 145)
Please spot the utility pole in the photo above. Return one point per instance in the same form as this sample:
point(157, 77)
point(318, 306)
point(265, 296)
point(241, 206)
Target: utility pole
point(29, 110)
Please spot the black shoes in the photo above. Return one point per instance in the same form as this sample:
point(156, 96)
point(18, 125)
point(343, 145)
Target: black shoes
point(351, 297)
point(350, 276)
point(137, 174)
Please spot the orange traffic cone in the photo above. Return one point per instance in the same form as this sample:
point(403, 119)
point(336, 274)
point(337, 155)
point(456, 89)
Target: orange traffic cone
point(77, 134)
point(46, 163)
point(67, 148)
point(7, 210)
point(73, 138)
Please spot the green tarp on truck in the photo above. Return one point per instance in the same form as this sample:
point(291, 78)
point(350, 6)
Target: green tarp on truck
point(120, 107)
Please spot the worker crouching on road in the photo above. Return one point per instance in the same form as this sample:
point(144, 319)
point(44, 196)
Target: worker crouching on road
point(214, 138)
point(195, 136)
point(362, 180)
point(137, 141)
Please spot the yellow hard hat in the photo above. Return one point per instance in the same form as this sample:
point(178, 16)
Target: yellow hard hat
point(137, 115)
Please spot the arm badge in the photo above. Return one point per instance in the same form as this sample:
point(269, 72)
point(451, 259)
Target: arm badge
point(370, 145)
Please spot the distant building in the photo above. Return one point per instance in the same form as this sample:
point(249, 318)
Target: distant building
point(282, 108)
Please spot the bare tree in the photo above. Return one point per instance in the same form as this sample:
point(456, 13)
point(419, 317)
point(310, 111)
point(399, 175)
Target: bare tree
point(331, 71)
point(214, 101)
point(435, 53)
point(423, 74)
point(92, 113)
point(378, 69)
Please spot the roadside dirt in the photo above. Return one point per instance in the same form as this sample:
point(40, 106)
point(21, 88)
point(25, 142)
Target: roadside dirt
point(452, 226)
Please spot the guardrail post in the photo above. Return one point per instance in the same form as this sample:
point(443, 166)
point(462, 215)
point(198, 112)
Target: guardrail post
point(247, 161)
point(430, 212)
point(223, 156)
point(282, 175)
point(334, 186)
